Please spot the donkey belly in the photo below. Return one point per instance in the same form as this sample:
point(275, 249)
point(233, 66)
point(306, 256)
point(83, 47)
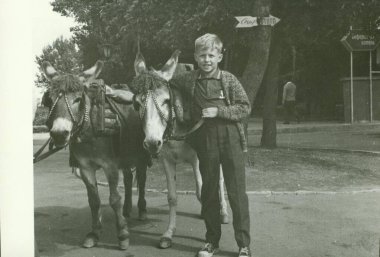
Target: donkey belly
point(99, 153)
point(178, 151)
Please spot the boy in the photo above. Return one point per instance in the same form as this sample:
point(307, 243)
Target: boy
point(219, 99)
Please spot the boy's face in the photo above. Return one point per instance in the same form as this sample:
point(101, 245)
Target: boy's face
point(208, 59)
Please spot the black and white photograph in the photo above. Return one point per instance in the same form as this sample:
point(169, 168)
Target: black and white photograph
point(247, 128)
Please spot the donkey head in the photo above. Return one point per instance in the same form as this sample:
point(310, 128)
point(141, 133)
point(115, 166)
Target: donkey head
point(68, 110)
point(153, 100)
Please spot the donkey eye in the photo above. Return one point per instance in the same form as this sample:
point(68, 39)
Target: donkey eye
point(165, 102)
point(77, 100)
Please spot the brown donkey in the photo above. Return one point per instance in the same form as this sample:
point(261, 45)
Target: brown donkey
point(71, 120)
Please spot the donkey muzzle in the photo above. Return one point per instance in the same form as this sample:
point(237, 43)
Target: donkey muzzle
point(61, 131)
point(152, 146)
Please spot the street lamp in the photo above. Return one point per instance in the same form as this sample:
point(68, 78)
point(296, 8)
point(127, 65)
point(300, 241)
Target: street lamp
point(107, 50)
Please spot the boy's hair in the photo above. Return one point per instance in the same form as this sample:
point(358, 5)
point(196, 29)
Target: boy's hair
point(208, 41)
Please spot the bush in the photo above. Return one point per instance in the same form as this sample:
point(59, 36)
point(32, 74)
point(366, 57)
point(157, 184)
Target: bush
point(41, 116)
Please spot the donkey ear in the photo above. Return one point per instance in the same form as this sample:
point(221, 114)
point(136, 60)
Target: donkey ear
point(140, 66)
point(169, 68)
point(94, 71)
point(49, 70)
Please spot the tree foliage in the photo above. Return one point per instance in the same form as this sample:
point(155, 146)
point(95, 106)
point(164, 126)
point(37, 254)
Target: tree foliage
point(62, 54)
point(310, 30)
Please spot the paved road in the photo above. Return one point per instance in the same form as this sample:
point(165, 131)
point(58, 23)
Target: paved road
point(284, 225)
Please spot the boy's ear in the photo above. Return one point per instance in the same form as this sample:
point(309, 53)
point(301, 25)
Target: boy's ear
point(220, 57)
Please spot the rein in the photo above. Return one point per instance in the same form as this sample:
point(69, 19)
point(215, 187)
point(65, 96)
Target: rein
point(37, 157)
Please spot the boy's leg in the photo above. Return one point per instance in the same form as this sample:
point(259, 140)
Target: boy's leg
point(233, 165)
point(209, 167)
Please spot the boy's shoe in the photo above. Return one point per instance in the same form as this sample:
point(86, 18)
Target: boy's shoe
point(208, 250)
point(244, 252)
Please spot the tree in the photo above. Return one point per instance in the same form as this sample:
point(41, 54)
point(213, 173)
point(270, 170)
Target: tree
point(63, 55)
point(318, 52)
point(308, 44)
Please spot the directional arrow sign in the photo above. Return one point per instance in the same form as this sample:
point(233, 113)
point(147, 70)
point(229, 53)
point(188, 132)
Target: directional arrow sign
point(249, 21)
point(246, 21)
point(269, 21)
point(359, 40)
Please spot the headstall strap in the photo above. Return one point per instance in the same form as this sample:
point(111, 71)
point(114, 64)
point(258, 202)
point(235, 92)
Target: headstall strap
point(53, 106)
point(69, 108)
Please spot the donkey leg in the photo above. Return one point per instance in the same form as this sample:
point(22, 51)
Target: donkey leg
point(88, 177)
point(112, 174)
point(127, 179)
point(197, 176)
point(166, 238)
point(141, 179)
point(223, 203)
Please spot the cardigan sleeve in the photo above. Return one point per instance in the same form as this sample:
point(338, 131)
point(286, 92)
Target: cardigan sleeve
point(239, 107)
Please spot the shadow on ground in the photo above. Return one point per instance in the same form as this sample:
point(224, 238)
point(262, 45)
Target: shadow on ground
point(60, 230)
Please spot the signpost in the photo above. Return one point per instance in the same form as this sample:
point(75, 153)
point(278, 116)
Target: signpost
point(359, 40)
point(249, 21)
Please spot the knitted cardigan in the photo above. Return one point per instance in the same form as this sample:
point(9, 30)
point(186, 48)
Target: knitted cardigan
point(237, 104)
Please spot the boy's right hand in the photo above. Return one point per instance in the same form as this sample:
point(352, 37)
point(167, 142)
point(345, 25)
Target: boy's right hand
point(210, 112)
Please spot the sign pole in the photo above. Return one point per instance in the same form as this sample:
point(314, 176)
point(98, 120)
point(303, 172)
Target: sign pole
point(370, 86)
point(352, 88)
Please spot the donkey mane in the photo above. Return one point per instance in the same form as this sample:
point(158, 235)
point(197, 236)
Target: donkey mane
point(147, 81)
point(66, 83)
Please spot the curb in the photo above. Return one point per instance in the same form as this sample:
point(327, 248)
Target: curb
point(40, 129)
point(266, 192)
point(374, 153)
point(296, 128)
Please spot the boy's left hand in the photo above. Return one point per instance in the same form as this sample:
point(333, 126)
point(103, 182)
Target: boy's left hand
point(210, 112)
point(110, 92)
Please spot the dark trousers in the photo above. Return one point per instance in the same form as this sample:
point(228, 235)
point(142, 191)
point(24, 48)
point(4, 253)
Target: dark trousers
point(218, 142)
point(290, 111)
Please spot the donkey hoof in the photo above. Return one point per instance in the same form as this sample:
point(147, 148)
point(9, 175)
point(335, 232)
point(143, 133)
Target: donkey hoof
point(124, 244)
point(165, 242)
point(91, 240)
point(123, 239)
point(142, 215)
point(224, 219)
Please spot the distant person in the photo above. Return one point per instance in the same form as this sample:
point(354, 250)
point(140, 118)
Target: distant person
point(289, 102)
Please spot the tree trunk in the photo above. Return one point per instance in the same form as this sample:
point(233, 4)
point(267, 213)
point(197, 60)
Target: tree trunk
point(259, 51)
point(271, 79)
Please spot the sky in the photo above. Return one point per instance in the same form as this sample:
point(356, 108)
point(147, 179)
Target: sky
point(47, 26)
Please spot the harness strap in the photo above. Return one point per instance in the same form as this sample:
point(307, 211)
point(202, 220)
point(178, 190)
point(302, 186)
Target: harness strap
point(42, 148)
point(183, 136)
point(37, 157)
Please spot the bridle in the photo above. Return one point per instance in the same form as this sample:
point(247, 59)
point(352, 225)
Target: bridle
point(169, 120)
point(78, 122)
point(75, 132)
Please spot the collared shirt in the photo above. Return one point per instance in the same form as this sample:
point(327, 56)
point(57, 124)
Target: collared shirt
point(208, 92)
